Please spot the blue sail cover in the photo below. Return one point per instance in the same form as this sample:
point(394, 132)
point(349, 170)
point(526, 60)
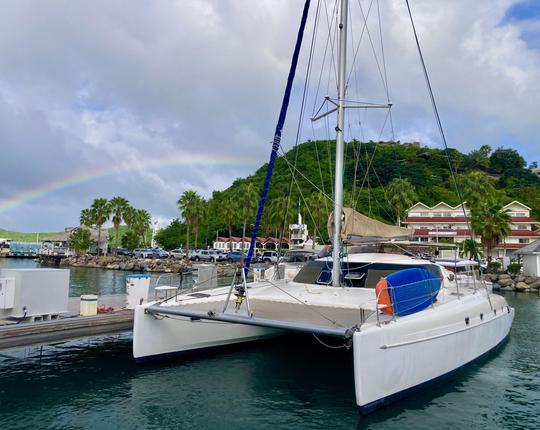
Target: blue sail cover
point(277, 136)
point(412, 290)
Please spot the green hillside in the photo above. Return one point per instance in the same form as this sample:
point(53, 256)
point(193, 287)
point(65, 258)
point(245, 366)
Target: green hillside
point(24, 237)
point(426, 168)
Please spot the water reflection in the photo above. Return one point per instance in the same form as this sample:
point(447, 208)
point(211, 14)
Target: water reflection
point(289, 382)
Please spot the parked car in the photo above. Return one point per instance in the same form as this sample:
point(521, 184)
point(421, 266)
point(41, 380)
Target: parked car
point(143, 253)
point(124, 252)
point(269, 257)
point(207, 255)
point(177, 253)
point(236, 257)
point(160, 253)
point(298, 256)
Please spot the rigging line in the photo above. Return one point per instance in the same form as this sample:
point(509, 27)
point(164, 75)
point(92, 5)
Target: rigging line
point(374, 151)
point(382, 52)
point(320, 169)
point(384, 69)
point(317, 231)
point(438, 120)
point(277, 135)
point(358, 46)
point(305, 304)
point(329, 155)
point(315, 227)
point(373, 49)
point(305, 177)
point(300, 122)
point(322, 68)
point(332, 41)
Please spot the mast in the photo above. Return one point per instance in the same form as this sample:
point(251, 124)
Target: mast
point(338, 187)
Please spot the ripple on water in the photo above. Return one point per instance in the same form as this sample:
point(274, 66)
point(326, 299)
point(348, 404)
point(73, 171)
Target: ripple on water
point(281, 384)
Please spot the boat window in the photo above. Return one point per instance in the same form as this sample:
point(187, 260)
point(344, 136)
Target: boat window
point(325, 277)
point(311, 271)
point(354, 274)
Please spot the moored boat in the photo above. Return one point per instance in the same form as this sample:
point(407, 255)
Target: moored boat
point(405, 320)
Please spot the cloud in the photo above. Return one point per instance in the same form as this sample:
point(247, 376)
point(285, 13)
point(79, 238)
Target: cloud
point(84, 86)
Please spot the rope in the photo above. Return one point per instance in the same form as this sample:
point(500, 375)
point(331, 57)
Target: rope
point(277, 135)
point(438, 119)
point(345, 345)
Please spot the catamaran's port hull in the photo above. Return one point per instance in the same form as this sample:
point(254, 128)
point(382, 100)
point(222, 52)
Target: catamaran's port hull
point(385, 370)
point(159, 336)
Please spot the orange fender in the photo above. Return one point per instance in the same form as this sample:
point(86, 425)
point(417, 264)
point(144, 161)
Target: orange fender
point(381, 289)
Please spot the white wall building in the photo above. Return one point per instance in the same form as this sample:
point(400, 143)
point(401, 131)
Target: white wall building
point(223, 243)
point(442, 220)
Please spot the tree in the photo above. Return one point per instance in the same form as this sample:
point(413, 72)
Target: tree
point(187, 204)
point(249, 205)
point(101, 211)
point(277, 211)
point(401, 195)
point(317, 209)
point(170, 237)
point(141, 224)
point(477, 189)
point(477, 159)
point(87, 218)
point(129, 216)
point(199, 216)
point(80, 240)
point(471, 249)
point(119, 208)
point(229, 215)
point(503, 159)
point(492, 224)
point(130, 240)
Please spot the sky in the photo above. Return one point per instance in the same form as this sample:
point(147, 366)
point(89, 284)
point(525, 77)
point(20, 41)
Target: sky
point(149, 99)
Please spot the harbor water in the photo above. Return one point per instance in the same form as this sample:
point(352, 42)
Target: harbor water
point(286, 383)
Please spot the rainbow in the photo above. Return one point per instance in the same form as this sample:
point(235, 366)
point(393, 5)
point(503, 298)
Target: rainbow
point(171, 160)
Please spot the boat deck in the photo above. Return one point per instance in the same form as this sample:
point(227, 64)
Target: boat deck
point(291, 312)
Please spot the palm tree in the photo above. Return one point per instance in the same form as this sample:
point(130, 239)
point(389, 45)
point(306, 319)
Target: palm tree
point(186, 203)
point(87, 218)
point(229, 215)
point(471, 250)
point(141, 223)
point(101, 210)
point(492, 224)
point(249, 205)
point(119, 209)
point(317, 207)
point(199, 216)
point(277, 209)
point(401, 195)
point(477, 189)
point(129, 216)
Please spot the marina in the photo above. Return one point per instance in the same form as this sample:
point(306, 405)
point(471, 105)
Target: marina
point(164, 264)
point(251, 387)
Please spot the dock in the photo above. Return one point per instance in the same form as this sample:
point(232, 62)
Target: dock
point(69, 326)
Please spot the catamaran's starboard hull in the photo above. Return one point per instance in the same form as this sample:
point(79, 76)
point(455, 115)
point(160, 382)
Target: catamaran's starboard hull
point(386, 370)
point(157, 337)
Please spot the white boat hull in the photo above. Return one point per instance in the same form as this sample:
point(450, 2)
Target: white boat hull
point(389, 366)
point(158, 337)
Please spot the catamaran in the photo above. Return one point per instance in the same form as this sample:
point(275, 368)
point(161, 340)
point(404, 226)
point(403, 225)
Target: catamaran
point(405, 319)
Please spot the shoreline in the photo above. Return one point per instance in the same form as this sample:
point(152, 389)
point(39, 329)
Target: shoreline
point(133, 264)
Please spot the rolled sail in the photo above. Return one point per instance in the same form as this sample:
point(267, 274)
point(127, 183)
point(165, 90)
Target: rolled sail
point(355, 224)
